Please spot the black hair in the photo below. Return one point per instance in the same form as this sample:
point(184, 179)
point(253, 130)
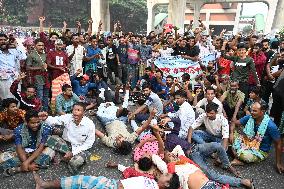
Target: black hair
point(148, 68)
point(256, 90)
point(74, 35)
point(82, 104)
point(145, 164)
point(170, 76)
point(53, 33)
point(186, 76)
point(263, 105)
point(30, 114)
point(67, 30)
point(265, 41)
point(212, 107)
point(158, 70)
point(8, 101)
point(65, 87)
point(181, 93)
point(30, 86)
point(146, 85)
point(259, 45)
point(3, 35)
point(125, 148)
point(38, 40)
point(242, 45)
point(194, 51)
point(210, 89)
point(174, 182)
point(274, 45)
point(254, 36)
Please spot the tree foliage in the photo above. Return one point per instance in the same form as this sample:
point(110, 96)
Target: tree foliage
point(13, 12)
point(132, 14)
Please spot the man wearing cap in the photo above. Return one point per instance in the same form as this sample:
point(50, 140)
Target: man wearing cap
point(58, 64)
point(82, 86)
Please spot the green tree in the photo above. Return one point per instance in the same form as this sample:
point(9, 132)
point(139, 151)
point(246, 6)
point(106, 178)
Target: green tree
point(13, 12)
point(132, 14)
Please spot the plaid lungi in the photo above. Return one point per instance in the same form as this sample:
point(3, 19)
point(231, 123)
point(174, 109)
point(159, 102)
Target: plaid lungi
point(59, 145)
point(10, 159)
point(88, 182)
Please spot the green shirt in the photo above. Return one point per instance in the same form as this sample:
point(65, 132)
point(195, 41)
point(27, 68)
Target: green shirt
point(36, 60)
point(232, 100)
point(242, 68)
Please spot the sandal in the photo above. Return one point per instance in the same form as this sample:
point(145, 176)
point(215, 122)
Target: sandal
point(11, 171)
point(252, 184)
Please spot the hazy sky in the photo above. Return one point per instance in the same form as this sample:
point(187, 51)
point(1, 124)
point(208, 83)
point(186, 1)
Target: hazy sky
point(251, 9)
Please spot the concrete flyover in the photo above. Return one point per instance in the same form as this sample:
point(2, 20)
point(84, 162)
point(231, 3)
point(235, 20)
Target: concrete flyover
point(176, 11)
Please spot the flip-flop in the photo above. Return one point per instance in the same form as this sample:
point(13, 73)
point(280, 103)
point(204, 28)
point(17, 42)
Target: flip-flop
point(10, 172)
point(252, 184)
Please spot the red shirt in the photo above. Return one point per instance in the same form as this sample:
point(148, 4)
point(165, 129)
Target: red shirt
point(225, 66)
point(47, 44)
point(259, 63)
point(57, 59)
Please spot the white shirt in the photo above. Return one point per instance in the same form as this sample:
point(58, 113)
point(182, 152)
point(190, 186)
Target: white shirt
point(186, 115)
point(76, 62)
point(218, 127)
point(166, 53)
point(107, 112)
point(139, 183)
point(204, 103)
point(183, 171)
point(81, 137)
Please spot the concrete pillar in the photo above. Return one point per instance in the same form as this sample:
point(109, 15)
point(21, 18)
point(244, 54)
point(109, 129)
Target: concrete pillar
point(197, 4)
point(100, 11)
point(237, 19)
point(278, 21)
point(270, 16)
point(151, 16)
point(176, 11)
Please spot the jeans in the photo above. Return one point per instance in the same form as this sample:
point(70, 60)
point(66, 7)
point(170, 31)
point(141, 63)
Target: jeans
point(123, 72)
point(43, 94)
point(201, 137)
point(133, 74)
point(203, 151)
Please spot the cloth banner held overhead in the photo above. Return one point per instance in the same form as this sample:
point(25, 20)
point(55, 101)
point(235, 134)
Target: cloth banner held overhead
point(176, 65)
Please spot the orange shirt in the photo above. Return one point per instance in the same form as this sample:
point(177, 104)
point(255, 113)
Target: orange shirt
point(12, 120)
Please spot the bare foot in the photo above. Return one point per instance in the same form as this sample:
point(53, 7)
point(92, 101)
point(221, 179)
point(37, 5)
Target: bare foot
point(39, 182)
point(234, 171)
point(237, 162)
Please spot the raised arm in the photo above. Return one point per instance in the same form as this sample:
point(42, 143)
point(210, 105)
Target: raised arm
point(41, 20)
point(90, 29)
point(146, 124)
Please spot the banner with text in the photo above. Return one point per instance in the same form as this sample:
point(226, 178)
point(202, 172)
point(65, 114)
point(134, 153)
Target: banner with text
point(176, 66)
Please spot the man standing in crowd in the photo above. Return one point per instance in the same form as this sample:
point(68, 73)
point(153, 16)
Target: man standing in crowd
point(37, 70)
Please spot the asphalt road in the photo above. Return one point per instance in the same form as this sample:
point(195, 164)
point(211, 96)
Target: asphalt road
point(264, 173)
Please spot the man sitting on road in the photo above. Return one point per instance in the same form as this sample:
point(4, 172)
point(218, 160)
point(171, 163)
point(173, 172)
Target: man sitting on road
point(217, 127)
point(254, 143)
point(78, 136)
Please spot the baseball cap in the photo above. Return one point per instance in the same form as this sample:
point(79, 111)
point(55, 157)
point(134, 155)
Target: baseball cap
point(86, 77)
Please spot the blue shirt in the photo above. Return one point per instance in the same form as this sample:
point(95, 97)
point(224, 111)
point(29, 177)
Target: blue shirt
point(91, 52)
point(33, 135)
point(65, 105)
point(157, 87)
point(272, 133)
point(122, 53)
point(81, 90)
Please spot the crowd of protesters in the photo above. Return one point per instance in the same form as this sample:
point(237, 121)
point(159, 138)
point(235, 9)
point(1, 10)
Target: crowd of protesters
point(52, 91)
